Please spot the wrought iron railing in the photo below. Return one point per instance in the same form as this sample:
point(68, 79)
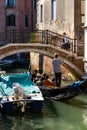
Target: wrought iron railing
point(55, 39)
point(37, 36)
point(14, 36)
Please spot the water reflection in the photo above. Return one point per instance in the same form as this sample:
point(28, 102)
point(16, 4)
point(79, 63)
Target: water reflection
point(84, 116)
point(70, 115)
point(77, 102)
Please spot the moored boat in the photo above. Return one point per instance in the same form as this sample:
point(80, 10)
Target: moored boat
point(64, 93)
point(6, 63)
point(19, 94)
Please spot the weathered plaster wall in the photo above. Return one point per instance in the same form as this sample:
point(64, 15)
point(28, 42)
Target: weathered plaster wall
point(64, 16)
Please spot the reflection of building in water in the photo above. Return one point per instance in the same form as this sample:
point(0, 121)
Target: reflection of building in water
point(27, 121)
point(70, 76)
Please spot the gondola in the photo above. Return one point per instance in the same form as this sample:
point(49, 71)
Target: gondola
point(64, 93)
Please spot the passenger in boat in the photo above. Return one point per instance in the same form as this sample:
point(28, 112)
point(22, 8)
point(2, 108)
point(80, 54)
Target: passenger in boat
point(34, 75)
point(57, 62)
point(48, 83)
point(40, 79)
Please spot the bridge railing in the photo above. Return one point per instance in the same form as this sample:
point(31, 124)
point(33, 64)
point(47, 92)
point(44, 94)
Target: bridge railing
point(37, 36)
point(14, 36)
point(55, 39)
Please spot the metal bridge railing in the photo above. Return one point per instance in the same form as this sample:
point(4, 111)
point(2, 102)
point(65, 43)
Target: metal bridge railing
point(14, 36)
point(55, 39)
point(37, 36)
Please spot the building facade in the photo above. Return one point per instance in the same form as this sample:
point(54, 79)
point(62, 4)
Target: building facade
point(61, 16)
point(17, 14)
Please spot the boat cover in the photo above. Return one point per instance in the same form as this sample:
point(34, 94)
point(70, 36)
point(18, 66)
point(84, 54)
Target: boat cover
point(6, 84)
point(75, 85)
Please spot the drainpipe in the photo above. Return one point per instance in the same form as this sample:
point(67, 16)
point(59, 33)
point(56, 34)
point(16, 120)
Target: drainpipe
point(85, 42)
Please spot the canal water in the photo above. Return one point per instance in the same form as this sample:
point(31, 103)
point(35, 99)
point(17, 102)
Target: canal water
point(55, 115)
point(69, 115)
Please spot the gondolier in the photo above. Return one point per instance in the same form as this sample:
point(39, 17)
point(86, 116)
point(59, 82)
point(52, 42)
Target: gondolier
point(57, 62)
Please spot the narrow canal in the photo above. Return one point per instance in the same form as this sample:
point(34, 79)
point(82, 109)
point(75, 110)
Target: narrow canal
point(69, 115)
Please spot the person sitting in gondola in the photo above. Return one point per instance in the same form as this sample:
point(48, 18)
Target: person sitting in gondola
point(40, 80)
point(48, 83)
point(34, 75)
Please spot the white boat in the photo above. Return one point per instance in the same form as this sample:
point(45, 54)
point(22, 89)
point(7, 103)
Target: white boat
point(27, 96)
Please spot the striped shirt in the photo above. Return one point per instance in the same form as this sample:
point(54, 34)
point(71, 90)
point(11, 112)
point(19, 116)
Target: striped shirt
point(57, 65)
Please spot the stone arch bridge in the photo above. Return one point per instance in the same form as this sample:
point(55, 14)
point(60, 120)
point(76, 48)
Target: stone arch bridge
point(72, 62)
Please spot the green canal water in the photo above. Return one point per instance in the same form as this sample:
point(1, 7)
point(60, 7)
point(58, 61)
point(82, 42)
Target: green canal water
point(55, 115)
point(70, 115)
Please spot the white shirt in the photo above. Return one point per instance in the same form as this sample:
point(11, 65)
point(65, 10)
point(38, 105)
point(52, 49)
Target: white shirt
point(66, 40)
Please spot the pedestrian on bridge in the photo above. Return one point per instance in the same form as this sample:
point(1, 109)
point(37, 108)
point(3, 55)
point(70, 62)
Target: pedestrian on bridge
point(66, 44)
point(57, 62)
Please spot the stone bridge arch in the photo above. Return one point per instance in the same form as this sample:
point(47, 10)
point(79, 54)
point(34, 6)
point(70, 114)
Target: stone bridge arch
point(74, 64)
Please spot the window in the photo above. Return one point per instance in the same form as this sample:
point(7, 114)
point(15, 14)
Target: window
point(82, 12)
point(35, 4)
point(10, 20)
point(10, 3)
point(41, 15)
point(53, 9)
point(26, 20)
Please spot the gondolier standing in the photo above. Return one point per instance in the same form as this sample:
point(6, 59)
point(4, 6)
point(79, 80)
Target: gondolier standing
point(57, 62)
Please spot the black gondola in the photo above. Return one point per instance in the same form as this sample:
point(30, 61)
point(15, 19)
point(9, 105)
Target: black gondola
point(64, 93)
